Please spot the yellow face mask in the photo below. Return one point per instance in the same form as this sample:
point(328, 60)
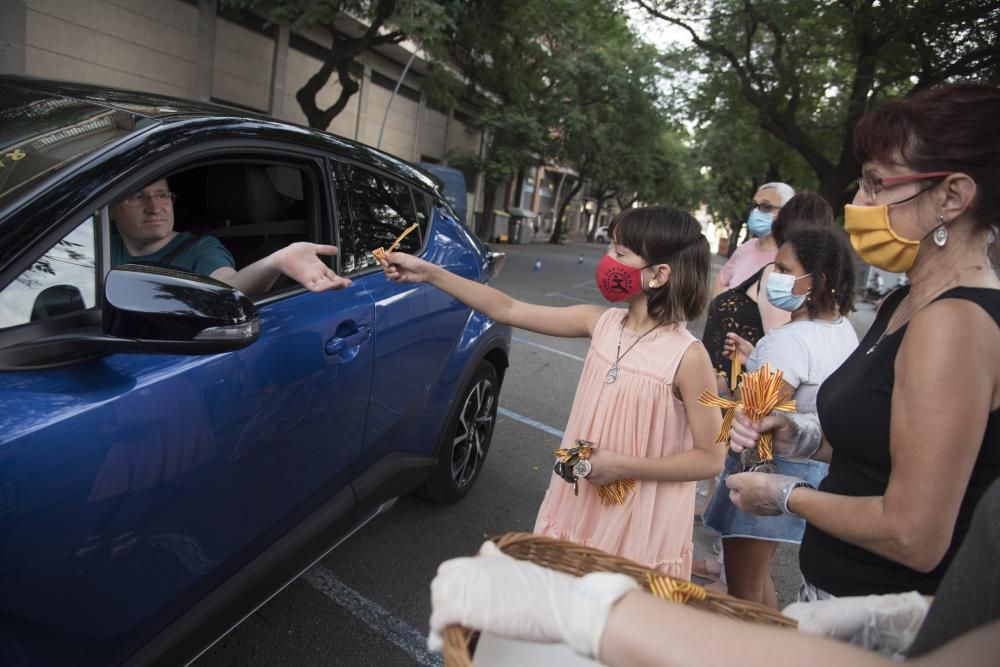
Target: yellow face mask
point(875, 241)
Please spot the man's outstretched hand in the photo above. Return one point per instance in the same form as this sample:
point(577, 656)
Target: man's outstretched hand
point(300, 262)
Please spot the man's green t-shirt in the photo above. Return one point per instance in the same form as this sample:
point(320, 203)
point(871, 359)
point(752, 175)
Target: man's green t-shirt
point(203, 256)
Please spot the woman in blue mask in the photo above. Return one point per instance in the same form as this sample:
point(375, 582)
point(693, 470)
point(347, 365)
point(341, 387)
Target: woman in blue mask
point(742, 272)
point(813, 281)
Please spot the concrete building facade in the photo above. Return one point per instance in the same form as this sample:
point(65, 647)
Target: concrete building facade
point(189, 49)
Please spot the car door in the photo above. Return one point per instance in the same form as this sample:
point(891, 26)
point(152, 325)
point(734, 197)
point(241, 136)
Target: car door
point(418, 326)
point(137, 487)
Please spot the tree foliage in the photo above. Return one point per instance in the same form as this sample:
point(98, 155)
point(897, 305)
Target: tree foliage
point(806, 72)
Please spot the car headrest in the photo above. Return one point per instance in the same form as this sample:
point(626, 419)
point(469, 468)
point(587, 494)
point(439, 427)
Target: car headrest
point(242, 194)
point(57, 300)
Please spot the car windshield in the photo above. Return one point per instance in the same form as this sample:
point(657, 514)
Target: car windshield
point(40, 133)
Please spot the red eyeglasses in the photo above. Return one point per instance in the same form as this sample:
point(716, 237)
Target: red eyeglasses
point(872, 185)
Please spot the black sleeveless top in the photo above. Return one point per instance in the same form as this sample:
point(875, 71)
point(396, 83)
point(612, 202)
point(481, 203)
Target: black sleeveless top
point(854, 406)
point(732, 311)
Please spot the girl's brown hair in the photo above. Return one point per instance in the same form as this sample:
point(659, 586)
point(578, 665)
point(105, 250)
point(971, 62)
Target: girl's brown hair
point(826, 255)
point(665, 235)
point(805, 209)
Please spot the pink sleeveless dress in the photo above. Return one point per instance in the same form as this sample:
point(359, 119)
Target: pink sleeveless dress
point(637, 415)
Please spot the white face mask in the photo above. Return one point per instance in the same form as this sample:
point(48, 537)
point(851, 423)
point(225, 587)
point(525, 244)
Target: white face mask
point(779, 291)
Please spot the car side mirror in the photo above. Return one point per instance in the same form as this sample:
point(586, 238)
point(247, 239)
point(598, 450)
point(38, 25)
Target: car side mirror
point(495, 262)
point(165, 310)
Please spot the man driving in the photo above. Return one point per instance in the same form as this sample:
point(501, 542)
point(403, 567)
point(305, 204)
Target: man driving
point(145, 224)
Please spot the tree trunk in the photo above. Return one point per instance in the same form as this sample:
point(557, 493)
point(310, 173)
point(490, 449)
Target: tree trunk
point(563, 205)
point(485, 226)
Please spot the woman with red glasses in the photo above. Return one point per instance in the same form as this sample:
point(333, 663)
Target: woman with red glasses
point(911, 421)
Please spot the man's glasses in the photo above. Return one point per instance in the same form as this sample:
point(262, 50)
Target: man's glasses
point(763, 207)
point(872, 185)
point(141, 199)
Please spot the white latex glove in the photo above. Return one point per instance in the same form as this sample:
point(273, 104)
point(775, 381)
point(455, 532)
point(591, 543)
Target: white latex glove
point(884, 623)
point(794, 435)
point(759, 492)
point(521, 600)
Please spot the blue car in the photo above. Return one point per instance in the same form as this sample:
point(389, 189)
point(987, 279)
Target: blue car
point(172, 451)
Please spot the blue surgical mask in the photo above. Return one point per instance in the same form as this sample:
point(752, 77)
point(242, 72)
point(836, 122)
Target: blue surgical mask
point(759, 223)
point(779, 291)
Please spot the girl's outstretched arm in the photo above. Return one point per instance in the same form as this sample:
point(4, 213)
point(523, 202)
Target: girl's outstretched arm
point(569, 321)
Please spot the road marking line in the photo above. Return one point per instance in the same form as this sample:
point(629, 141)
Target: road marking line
point(400, 633)
point(534, 423)
point(532, 343)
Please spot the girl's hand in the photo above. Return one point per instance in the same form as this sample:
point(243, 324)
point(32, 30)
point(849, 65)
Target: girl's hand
point(604, 467)
point(736, 345)
point(402, 268)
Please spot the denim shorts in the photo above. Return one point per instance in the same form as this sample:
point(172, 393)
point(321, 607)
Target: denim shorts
point(730, 521)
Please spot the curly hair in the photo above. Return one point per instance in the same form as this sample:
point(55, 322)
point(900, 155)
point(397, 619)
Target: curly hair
point(666, 235)
point(826, 254)
point(804, 209)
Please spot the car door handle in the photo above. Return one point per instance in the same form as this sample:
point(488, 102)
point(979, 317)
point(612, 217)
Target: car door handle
point(338, 344)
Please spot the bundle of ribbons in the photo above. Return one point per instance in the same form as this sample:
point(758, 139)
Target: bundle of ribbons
point(761, 393)
point(380, 253)
point(613, 493)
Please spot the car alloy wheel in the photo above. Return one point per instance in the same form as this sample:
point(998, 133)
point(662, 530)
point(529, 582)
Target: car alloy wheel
point(472, 436)
point(466, 439)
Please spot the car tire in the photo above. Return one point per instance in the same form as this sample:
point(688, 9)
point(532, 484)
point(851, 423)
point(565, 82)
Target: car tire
point(466, 439)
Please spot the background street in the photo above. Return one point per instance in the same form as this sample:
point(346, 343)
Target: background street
point(367, 602)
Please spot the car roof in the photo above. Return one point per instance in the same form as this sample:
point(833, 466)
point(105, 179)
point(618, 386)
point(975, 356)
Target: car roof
point(39, 111)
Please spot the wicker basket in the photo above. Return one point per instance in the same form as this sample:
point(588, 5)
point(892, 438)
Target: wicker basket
point(578, 561)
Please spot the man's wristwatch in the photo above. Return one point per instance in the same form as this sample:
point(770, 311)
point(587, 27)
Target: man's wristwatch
point(786, 491)
point(582, 468)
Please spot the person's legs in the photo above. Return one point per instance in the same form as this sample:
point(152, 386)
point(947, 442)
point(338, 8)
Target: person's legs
point(748, 569)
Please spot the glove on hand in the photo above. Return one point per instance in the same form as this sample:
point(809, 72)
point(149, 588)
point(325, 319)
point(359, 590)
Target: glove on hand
point(521, 600)
point(759, 492)
point(795, 435)
point(884, 623)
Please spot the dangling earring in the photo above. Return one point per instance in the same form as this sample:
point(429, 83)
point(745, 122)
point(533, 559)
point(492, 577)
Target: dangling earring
point(941, 233)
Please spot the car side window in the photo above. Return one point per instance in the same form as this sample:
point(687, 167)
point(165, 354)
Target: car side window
point(60, 282)
point(373, 210)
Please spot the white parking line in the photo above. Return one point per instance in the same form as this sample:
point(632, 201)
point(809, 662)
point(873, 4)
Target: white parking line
point(534, 423)
point(400, 633)
point(525, 341)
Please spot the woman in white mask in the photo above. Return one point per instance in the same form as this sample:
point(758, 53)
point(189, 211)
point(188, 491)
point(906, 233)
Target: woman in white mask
point(743, 271)
point(911, 420)
point(813, 281)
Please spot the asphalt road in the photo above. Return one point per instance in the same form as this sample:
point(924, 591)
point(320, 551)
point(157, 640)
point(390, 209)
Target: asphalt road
point(367, 602)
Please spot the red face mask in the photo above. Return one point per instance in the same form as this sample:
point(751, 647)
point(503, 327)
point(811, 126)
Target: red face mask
point(617, 281)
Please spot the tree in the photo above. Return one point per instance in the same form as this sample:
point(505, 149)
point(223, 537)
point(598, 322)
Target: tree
point(808, 71)
point(381, 22)
point(498, 48)
point(602, 98)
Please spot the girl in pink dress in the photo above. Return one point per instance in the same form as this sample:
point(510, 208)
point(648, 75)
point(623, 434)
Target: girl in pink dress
point(637, 399)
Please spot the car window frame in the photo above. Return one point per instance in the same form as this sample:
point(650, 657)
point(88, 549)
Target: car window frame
point(82, 320)
point(266, 151)
point(335, 179)
point(313, 166)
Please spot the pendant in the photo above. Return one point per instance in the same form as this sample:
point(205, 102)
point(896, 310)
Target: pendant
point(612, 374)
